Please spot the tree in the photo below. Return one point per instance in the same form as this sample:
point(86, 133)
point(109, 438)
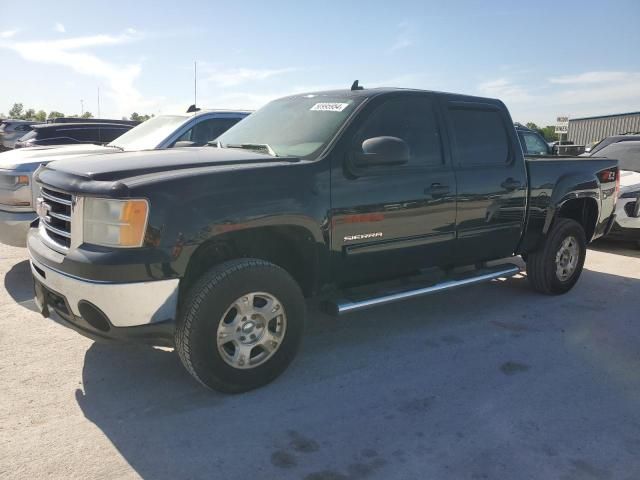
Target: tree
point(16, 110)
point(136, 117)
point(29, 114)
point(41, 116)
point(87, 115)
point(549, 133)
point(53, 114)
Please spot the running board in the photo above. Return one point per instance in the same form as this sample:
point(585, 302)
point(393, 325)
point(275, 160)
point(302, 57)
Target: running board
point(345, 305)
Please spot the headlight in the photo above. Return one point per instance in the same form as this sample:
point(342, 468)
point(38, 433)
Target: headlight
point(114, 223)
point(14, 190)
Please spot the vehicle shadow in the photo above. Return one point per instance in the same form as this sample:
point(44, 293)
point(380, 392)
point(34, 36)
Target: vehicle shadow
point(618, 247)
point(19, 285)
point(166, 425)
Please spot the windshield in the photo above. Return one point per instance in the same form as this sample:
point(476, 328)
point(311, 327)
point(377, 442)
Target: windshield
point(149, 134)
point(294, 126)
point(627, 154)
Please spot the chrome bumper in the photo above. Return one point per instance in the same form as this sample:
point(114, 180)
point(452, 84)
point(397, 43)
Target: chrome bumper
point(14, 227)
point(124, 304)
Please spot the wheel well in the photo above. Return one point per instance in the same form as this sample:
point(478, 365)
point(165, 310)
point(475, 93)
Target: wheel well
point(291, 248)
point(584, 211)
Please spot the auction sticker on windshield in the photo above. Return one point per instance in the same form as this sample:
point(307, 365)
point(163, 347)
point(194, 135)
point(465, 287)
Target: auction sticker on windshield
point(329, 107)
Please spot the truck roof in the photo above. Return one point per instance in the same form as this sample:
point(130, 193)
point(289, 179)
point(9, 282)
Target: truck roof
point(377, 91)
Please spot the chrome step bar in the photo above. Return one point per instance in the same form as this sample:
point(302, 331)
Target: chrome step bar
point(342, 306)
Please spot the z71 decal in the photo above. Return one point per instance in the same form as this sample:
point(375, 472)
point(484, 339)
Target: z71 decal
point(362, 236)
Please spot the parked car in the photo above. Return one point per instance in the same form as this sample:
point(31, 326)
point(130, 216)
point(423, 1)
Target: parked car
point(532, 142)
point(133, 123)
point(627, 223)
point(12, 130)
point(364, 197)
point(17, 195)
point(627, 137)
point(72, 133)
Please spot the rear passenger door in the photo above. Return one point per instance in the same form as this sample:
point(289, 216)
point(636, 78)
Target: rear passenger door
point(491, 178)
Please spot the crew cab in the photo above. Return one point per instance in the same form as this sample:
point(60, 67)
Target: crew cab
point(17, 195)
point(358, 197)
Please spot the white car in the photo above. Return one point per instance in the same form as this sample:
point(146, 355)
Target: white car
point(627, 222)
point(17, 197)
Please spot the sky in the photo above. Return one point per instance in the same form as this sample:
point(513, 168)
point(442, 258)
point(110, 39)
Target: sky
point(543, 58)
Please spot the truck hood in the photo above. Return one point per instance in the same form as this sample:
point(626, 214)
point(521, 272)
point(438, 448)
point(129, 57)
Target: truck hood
point(124, 165)
point(13, 159)
point(629, 181)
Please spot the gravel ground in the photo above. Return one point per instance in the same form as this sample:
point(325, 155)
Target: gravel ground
point(489, 382)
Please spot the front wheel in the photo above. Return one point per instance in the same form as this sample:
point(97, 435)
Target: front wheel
point(240, 325)
point(556, 267)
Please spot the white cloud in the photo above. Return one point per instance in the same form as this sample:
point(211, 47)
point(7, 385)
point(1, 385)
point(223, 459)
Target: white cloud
point(590, 78)
point(404, 38)
point(235, 76)
point(72, 53)
point(505, 90)
point(58, 27)
point(8, 33)
point(580, 94)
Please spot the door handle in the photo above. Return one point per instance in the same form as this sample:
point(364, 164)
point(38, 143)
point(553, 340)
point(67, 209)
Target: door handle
point(437, 190)
point(511, 184)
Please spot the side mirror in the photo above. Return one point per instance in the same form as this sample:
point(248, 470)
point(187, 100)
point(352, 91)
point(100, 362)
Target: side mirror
point(382, 151)
point(184, 143)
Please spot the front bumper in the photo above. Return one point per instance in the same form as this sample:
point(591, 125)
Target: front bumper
point(14, 227)
point(132, 311)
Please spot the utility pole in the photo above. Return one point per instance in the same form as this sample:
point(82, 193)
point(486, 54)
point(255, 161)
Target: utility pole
point(195, 84)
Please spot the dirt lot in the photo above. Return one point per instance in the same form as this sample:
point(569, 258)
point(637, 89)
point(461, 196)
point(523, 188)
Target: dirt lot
point(493, 381)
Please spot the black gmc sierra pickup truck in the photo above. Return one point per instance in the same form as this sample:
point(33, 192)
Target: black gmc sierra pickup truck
point(360, 197)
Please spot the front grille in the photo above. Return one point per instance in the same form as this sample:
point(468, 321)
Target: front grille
point(630, 208)
point(55, 216)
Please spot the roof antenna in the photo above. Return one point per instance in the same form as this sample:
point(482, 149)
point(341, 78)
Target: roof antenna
point(355, 86)
point(192, 109)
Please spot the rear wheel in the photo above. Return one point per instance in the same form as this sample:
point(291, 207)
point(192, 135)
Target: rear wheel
point(556, 267)
point(240, 325)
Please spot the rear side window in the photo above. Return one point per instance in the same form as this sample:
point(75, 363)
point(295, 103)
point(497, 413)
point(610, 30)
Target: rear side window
point(108, 134)
point(83, 134)
point(411, 119)
point(480, 137)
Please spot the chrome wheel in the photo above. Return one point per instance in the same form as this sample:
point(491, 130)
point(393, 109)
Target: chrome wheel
point(251, 330)
point(567, 258)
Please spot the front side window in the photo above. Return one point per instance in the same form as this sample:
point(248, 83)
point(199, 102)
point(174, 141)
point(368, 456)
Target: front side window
point(207, 130)
point(413, 121)
point(480, 136)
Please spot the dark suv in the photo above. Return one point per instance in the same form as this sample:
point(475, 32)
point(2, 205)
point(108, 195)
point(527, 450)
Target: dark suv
point(72, 133)
point(532, 142)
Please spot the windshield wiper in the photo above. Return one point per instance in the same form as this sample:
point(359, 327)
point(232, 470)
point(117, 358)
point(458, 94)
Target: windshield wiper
point(115, 146)
point(260, 147)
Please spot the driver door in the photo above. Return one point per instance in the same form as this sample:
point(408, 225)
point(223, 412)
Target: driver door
point(392, 220)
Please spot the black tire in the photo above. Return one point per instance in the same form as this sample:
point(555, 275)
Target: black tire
point(204, 307)
point(541, 264)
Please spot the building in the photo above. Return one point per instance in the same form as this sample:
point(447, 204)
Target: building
point(583, 131)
